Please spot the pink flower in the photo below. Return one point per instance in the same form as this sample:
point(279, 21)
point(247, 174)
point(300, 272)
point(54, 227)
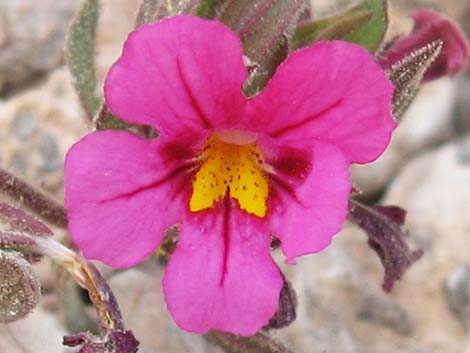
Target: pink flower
point(430, 26)
point(231, 171)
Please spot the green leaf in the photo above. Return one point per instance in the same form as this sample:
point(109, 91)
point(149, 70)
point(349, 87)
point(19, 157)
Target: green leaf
point(80, 55)
point(207, 8)
point(365, 24)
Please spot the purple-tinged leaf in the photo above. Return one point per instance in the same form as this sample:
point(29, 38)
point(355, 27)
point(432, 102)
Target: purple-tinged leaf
point(17, 219)
point(386, 237)
point(35, 201)
point(394, 213)
point(18, 230)
point(287, 310)
point(22, 243)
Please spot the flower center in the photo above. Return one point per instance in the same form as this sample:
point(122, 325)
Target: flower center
point(234, 169)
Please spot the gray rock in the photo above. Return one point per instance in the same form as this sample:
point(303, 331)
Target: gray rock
point(457, 293)
point(39, 332)
point(384, 311)
point(36, 129)
point(32, 37)
point(434, 190)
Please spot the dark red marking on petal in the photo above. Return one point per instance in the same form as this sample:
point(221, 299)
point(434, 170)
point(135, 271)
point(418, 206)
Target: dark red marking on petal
point(177, 150)
point(192, 98)
point(293, 163)
point(308, 119)
point(226, 236)
point(185, 168)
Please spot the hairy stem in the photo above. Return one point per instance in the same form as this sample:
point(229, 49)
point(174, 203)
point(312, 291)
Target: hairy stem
point(34, 200)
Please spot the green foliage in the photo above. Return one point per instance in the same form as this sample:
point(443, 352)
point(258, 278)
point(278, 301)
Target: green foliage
point(80, 55)
point(365, 24)
point(206, 8)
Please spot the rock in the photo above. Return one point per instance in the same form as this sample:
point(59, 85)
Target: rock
point(428, 121)
point(39, 332)
point(37, 128)
point(434, 190)
point(457, 292)
point(325, 283)
point(140, 298)
point(462, 105)
point(383, 311)
point(117, 20)
point(341, 306)
point(32, 37)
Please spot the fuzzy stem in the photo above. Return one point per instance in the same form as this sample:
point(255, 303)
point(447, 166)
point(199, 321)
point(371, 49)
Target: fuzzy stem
point(34, 200)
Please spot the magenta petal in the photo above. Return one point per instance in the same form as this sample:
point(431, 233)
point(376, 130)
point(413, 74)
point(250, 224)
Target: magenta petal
point(221, 275)
point(120, 196)
point(306, 216)
point(180, 74)
point(331, 91)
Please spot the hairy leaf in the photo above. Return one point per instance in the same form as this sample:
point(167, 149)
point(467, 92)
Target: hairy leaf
point(37, 202)
point(80, 55)
point(17, 219)
point(407, 74)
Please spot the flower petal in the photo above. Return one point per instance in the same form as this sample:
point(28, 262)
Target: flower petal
point(122, 192)
point(221, 275)
point(306, 214)
point(332, 91)
point(180, 74)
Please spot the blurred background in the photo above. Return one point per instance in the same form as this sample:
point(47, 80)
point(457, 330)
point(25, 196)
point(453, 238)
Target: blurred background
point(342, 309)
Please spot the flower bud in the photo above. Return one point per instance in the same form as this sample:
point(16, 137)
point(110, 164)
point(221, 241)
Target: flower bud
point(430, 26)
point(19, 287)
